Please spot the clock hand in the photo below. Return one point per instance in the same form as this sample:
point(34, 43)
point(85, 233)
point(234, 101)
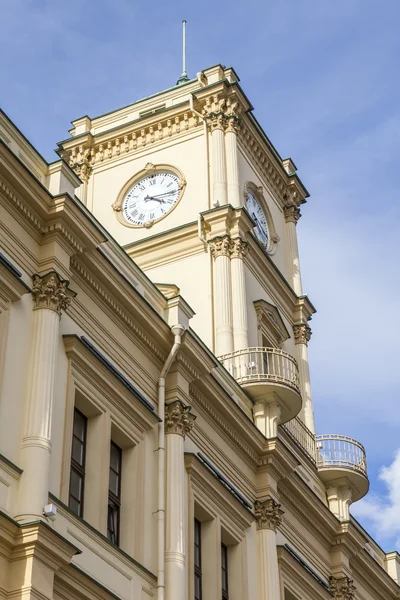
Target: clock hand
point(163, 194)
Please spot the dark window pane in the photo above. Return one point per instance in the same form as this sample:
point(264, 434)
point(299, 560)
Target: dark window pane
point(113, 523)
point(224, 571)
point(77, 450)
point(115, 457)
point(197, 560)
point(113, 485)
point(75, 506)
point(77, 473)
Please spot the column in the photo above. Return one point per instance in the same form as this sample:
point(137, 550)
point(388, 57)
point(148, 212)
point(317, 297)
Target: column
point(223, 319)
point(218, 159)
point(239, 301)
point(232, 167)
point(292, 215)
point(50, 297)
point(213, 111)
point(268, 516)
point(178, 422)
point(302, 335)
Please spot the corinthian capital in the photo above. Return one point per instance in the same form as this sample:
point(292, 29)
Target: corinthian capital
point(302, 333)
point(292, 213)
point(342, 588)
point(50, 291)
point(178, 418)
point(220, 246)
point(239, 248)
point(268, 514)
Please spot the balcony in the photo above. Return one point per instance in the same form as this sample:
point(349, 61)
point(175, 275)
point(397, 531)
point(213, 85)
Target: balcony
point(341, 461)
point(268, 375)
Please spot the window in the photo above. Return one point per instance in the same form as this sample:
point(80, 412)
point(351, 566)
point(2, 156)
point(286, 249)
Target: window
point(224, 572)
point(78, 455)
point(197, 560)
point(114, 494)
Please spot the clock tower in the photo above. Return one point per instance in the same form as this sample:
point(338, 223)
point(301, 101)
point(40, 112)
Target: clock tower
point(190, 185)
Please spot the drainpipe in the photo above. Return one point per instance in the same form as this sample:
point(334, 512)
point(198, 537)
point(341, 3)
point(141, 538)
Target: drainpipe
point(178, 331)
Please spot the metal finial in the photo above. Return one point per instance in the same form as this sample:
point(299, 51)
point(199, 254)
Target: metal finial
point(184, 77)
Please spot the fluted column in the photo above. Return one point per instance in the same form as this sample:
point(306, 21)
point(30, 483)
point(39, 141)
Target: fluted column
point(178, 422)
point(223, 319)
point(50, 297)
point(302, 335)
point(239, 300)
point(269, 516)
point(218, 159)
point(292, 215)
point(213, 111)
point(232, 167)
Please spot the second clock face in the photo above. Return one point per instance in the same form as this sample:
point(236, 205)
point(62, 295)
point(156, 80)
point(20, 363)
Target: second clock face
point(257, 214)
point(151, 198)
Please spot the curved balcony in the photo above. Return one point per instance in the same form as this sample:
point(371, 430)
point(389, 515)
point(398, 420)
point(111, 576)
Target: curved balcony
point(268, 375)
point(341, 460)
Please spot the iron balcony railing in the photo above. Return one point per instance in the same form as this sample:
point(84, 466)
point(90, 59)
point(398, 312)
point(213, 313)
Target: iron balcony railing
point(303, 437)
point(263, 365)
point(340, 451)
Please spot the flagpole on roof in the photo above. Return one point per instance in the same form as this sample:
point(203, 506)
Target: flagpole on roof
point(184, 77)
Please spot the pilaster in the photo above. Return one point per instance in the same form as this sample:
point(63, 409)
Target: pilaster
point(292, 216)
point(178, 422)
point(50, 296)
point(238, 251)
point(302, 335)
point(233, 124)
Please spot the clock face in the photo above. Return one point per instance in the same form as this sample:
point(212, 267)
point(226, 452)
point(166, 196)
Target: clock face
point(151, 198)
point(257, 214)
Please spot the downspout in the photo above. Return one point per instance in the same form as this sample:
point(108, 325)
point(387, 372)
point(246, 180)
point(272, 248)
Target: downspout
point(178, 331)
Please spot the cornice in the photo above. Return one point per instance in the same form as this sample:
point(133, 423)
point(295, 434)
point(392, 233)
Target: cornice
point(87, 152)
point(203, 402)
point(93, 374)
point(366, 570)
point(105, 292)
point(302, 501)
point(206, 487)
point(306, 582)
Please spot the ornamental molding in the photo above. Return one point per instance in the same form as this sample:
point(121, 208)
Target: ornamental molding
point(226, 246)
point(216, 418)
point(222, 112)
point(238, 248)
point(302, 333)
point(342, 588)
point(268, 514)
point(220, 246)
point(84, 157)
point(51, 291)
point(299, 507)
point(178, 419)
point(55, 227)
point(101, 293)
point(292, 213)
point(20, 205)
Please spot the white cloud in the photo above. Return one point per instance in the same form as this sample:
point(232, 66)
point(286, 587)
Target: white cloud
point(382, 511)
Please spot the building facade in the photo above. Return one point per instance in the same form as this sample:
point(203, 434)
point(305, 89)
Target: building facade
point(157, 437)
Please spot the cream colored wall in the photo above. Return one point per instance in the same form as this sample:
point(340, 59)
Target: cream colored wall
point(13, 390)
point(193, 276)
point(106, 182)
point(255, 291)
point(248, 174)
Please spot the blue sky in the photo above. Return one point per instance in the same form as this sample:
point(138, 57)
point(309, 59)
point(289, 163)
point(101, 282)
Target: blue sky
point(323, 78)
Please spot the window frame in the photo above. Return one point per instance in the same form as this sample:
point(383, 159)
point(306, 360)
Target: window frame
point(114, 501)
point(224, 571)
point(198, 576)
point(75, 466)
